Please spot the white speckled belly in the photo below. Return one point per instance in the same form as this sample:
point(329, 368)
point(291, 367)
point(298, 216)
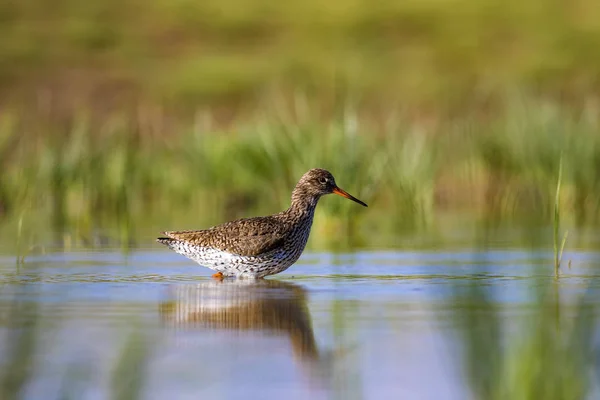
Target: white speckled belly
point(229, 264)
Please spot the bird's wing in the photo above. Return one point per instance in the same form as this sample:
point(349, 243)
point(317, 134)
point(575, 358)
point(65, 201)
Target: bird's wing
point(245, 237)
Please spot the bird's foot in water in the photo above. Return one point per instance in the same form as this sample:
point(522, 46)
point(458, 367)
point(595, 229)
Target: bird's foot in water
point(218, 276)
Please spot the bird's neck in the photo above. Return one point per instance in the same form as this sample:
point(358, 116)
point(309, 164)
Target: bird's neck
point(303, 206)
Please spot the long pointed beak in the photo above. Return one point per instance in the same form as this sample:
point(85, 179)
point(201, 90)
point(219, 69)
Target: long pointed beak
point(347, 195)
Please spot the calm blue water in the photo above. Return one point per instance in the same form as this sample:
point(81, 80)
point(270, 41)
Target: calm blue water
point(362, 325)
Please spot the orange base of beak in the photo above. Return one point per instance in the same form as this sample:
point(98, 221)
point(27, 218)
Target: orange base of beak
point(347, 195)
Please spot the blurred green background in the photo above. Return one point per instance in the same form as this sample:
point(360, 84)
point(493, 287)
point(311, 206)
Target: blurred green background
point(119, 119)
point(128, 117)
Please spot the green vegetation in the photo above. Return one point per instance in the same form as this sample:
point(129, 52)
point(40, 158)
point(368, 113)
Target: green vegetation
point(115, 115)
point(119, 119)
point(134, 117)
point(85, 175)
point(453, 54)
point(558, 246)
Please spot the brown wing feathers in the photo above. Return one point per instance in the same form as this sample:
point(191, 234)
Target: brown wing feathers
point(246, 237)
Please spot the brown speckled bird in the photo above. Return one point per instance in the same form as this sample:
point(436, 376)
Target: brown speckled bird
point(260, 246)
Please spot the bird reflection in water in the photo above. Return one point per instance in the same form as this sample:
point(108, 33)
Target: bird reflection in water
point(267, 306)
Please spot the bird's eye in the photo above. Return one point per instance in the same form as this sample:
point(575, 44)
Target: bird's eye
point(322, 181)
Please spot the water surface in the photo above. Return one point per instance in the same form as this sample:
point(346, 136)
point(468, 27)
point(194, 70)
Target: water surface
point(356, 325)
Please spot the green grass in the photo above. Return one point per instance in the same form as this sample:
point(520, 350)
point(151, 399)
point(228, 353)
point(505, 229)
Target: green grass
point(122, 112)
point(453, 54)
point(84, 175)
point(558, 246)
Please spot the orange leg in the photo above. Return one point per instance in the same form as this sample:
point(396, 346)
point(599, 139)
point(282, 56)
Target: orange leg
point(218, 276)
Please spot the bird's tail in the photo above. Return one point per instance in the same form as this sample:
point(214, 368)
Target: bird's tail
point(165, 240)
